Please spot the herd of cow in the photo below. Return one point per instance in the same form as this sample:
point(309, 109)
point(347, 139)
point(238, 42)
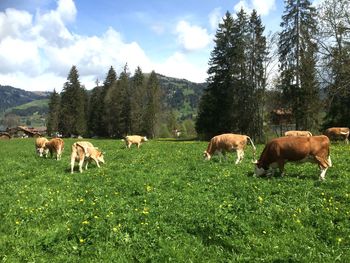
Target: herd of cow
point(295, 146)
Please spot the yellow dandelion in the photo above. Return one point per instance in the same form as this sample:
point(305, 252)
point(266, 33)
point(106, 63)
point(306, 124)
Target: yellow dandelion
point(81, 240)
point(145, 211)
point(85, 222)
point(339, 239)
point(18, 222)
point(149, 188)
point(260, 199)
point(115, 229)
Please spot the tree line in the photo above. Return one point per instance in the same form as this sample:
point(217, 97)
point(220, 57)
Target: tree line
point(312, 83)
point(121, 106)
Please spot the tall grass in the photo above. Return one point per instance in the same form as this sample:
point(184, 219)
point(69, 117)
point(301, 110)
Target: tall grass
point(164, 203)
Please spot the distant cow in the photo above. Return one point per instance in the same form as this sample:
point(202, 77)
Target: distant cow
point(336, 133)
point(40, 145)
point(54, 146)
point(85, 151)
point(134, 139)
point(278, 151)
point(228, 142)
point(297, 133)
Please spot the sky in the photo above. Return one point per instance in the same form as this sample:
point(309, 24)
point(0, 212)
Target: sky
point(40, 40)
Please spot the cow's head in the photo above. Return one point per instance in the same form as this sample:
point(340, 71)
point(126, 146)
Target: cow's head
point(206, 155)
point(144, 139)
point(100, 157)
point(40, 151)
point(259, 170)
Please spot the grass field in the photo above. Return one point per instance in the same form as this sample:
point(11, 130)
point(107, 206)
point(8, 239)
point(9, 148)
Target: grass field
point(164, 203)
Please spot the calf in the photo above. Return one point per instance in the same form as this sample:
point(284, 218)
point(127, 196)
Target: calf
point(297, 133)
point(227, 143)
point(134, 139)
point(55, 145)
point(85, 151)
point(336, 133)
point(40, 145)
point(278, 151)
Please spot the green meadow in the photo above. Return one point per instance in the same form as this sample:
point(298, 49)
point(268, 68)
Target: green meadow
point(164, 203)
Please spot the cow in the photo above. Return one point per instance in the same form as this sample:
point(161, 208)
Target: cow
point(55, 145)
point(134, 139)
point(336, 133)
point(280, 150)
point(40, 146)
point(228, 142)
point(297, 133)
point(85, 151)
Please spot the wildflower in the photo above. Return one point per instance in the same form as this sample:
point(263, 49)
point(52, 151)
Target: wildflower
point(260, 199)
point(264, 232)
point(339, 239)
point(81, 240)
point(85, 222)
point(18, 222)
point(149, 188)
point(145, 211)
point(115, 229)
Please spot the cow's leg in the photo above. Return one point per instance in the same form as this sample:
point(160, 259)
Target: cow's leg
point(81, 162)
point(86, 164)
point(138, 145)
point(323, 173)
point(281, 167)
point(72, 162)
point(239, 156)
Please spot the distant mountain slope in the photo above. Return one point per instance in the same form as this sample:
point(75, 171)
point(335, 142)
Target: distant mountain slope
point(11, 97)
point(181, 95)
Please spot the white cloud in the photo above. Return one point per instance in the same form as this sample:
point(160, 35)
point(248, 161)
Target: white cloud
point(215, 18)
point(262, 7)
point(192, 37)
point(37, 51)
point(179, 65)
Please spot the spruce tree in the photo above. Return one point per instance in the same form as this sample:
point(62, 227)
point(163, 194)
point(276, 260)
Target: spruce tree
point(213, 111)
point(125, 96)
point(54, 111)
point(297, 57)
point(153, 106)
point(73, 106)
point(137, 101)
point(106, 128)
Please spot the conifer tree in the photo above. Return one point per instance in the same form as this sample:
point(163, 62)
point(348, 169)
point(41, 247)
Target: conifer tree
point(73, 106)
point(123, 85)
point(106, 128)
point(153, 106)
point(297, 57)
point(54, 111)
point(96, 107)
point(137, 101)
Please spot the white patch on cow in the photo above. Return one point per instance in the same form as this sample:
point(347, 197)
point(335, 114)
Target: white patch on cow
point(329, 161)
point(323, 173)
point(206, 156)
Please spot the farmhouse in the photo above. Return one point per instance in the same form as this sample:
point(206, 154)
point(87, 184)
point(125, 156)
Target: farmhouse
point(24, 131)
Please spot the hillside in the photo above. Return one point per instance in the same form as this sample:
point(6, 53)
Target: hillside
point(181, 95)
point(12, 97)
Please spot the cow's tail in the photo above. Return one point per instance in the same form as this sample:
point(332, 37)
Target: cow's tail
point(254, 148)
point(309, 133)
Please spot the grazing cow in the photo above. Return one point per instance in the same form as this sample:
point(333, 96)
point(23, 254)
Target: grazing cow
point(278, 151)
point(40, 145)
point(85, 151)
point(55, 145)
point(227, 143)
point(297, 133)
point(134, 139)
point(336, 133)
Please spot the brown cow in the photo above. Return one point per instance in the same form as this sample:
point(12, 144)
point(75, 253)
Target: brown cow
point(40, 145)
point(134, 139)
point(297, 133)
point(85, 151)
point(336, 133)
point(278, 151)
point(228, 142)
point(55, 145)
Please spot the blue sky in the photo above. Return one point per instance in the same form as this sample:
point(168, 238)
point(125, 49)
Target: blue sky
point(41, 39)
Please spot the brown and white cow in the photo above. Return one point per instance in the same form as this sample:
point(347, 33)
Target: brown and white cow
point(40, 145)
point(336, 133)
point(228, 142)
point(85, 151)
point(54, 146)
point(278, 151)
point(134, 139)
point(297, 133)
